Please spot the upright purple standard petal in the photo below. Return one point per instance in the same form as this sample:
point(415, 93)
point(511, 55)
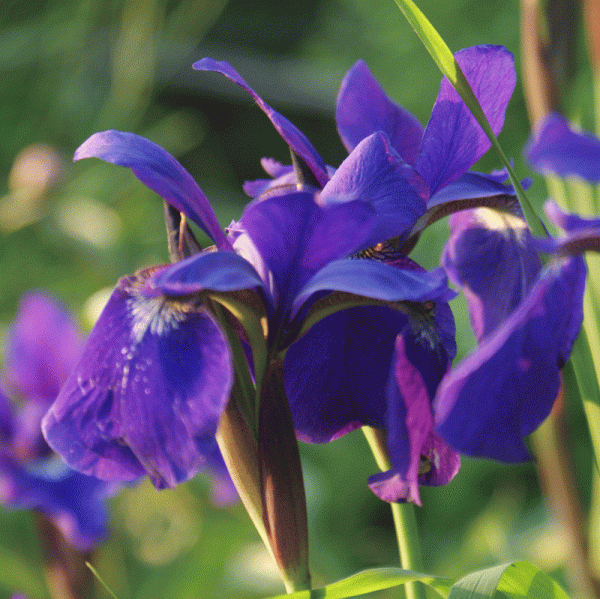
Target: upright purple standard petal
point(148, 392)
point(453, 140)
point(503, 390)
point(556, 148)
point(363, 109)
point(290, 133)
point(43, 345)
point(159, 171)
point(375, 174)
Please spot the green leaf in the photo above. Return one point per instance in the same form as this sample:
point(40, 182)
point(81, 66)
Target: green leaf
point(17, 574)
point(519, 580)
point(368, 581)
point(447, 64)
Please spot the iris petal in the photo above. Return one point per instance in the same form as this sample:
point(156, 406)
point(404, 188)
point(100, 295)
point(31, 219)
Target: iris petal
point(375, 174)
point(147, 394)
point(363, 108)
point(556, 148)
point(453, 140)
point(290, 133)
point(43, 346)
point(159, 171)
point(504, 389)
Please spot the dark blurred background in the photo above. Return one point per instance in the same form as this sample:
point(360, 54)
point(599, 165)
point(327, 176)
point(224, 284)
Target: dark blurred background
point(69, 68)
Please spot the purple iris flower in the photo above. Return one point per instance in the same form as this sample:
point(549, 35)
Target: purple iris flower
point(42, 346)
point(156, 372)
point(409, 175)
point(525, 318)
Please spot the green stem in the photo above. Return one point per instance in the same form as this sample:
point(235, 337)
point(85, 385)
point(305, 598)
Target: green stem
point(582, 363)
point(247, 390)
point(405, 521)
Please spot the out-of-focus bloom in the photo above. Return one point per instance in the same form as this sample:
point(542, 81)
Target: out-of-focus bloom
point(42, 346)
point(409, 175)
point(558, 149)
point(156, 372)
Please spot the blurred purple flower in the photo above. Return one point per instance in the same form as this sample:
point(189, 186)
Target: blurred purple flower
point(557, 148)
point(42, 345)
point(156, 371)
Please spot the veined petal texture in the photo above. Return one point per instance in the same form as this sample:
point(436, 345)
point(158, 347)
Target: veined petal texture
point(148, 392)
point(453, 140)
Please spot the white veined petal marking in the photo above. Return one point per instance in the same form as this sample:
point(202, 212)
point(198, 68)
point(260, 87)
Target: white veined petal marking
point(157, 315)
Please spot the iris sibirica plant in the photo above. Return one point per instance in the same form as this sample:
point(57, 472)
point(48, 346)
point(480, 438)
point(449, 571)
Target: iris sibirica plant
point(307, 318)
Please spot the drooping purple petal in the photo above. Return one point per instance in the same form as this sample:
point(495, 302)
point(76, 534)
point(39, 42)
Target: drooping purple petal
point(290, 133)
point(296, 237)
point(42, 347)
point(557, 148)
point(491, 256)
point(375, 174)
point(503, 390)
point(72, 500)
point(330, 391)
point(215, 271)
point(159, 171)
point(363, 109)
point(148, 392)
point(418, 455)
point(453, 140)
point(374, 279)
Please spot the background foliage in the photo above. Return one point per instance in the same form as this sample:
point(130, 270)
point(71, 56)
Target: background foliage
point(69, 68)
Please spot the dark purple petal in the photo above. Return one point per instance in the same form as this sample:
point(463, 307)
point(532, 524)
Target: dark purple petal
point(490, 255)
point(43, 345)
point(159, 171)
point(418, 455)
point(506, 388)
point(453, 140)
point(336, 374)
point(296, 237)
point(74, 502)
point(377, 280)
point(363, 109)
point(214, 271)
point(148, 392)
point(375, 174)
point(290, 133)
point(556, 148)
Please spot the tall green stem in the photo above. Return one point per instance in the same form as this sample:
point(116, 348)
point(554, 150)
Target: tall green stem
point(405, 521)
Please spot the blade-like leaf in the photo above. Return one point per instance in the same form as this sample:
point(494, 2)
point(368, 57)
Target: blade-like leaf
point(368, 581)
point(447, 64)
point(519, 580)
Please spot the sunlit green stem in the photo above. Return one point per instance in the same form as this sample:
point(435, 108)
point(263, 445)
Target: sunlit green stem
point(247, 390)
point(404, 519)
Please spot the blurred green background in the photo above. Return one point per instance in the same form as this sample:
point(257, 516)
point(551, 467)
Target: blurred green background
point(69, 68)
